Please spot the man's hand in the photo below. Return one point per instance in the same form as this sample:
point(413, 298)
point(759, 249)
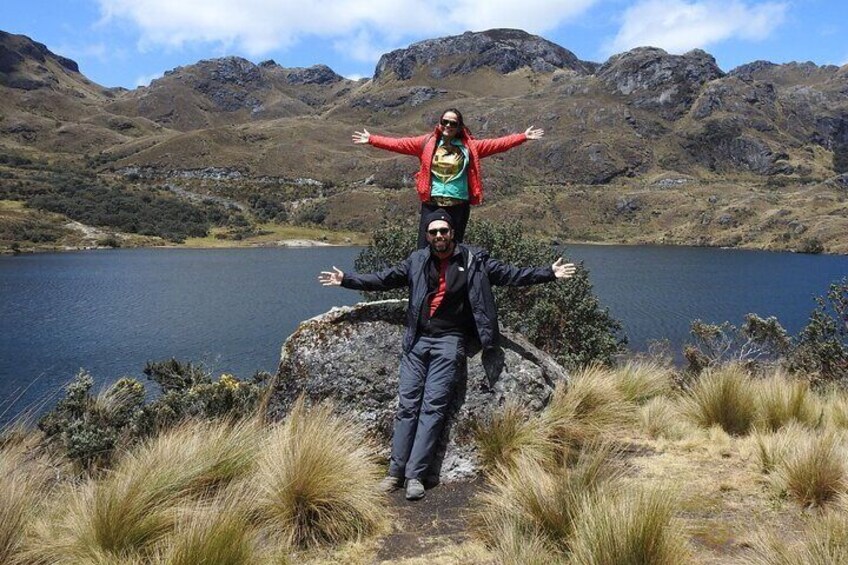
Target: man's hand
point(563, 270)
point(361, 136)
point(534, 133)
point(327, 278)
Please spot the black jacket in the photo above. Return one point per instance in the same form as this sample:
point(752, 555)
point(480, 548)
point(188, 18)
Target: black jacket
point(482, 272)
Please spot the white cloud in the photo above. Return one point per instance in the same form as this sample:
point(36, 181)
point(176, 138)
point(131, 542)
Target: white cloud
point(99, 51)
point(679, 25)
point(360, 29)
point(145, 80)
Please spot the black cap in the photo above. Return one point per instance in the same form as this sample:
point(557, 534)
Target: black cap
point(438, 214)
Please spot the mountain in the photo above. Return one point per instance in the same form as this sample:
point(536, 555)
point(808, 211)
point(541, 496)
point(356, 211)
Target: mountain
point(646, 146)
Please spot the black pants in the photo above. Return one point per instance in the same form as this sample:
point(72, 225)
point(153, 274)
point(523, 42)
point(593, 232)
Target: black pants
point(459, 216)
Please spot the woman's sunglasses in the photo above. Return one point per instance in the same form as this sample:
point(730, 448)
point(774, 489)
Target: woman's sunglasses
point(449, 123)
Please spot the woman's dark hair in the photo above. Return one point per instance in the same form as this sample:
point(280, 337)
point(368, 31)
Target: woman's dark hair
point(458, 116)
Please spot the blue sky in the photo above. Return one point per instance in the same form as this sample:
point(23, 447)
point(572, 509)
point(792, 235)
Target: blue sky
point(130, 42)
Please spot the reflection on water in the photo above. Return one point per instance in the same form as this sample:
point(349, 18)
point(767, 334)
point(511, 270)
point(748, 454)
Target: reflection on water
point(112, 311)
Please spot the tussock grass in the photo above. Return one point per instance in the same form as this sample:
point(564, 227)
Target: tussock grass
point(660, 417)
point(318, 479)
point(723, 397)
point(511, 434)
point(218, 531)
point(25, 482)
point(781, 399)
point(641, 380)
point(815, 472)
point(772, 449)
point(538, 505)
point(836, 408)
point(516, 547)
point(629, 526)
point(590, 405)
point(127, 512)
point(825, 542)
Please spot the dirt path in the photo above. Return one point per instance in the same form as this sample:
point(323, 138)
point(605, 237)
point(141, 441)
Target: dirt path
point(429, 525)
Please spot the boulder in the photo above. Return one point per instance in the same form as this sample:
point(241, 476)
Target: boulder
point(351, 355)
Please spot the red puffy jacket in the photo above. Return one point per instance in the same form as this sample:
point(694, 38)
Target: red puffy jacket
point(424, 146)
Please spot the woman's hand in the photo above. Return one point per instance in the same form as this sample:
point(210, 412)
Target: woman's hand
point(534, 133)
point(362, 136)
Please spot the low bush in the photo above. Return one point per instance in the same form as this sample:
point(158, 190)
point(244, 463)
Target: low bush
point(822, 346)
point(90, 428)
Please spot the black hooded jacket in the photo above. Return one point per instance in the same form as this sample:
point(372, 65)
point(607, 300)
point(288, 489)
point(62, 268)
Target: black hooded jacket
point(482, 272)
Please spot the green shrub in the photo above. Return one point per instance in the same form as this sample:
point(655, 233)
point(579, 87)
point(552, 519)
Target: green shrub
point(563, 318)
point(89, 428)
point(822, 346)
point(759, 340)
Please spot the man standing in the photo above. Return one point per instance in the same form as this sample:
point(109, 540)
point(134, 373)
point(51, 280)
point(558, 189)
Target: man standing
point(450, 300)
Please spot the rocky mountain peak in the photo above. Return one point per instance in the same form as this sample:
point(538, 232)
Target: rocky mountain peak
point(652, 78)
point(316, 74)
point(22, 62)
point(503, 50)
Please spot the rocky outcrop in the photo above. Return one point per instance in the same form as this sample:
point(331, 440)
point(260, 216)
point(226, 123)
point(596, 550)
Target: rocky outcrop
point(652, 79)
point(316, 74)
point(351, 356)
point(503, 50)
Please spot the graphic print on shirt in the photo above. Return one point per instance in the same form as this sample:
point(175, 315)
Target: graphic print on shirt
point(448, 162)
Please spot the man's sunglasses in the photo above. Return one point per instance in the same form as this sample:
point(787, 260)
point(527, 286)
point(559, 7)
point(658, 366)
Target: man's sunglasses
point(439, 231)
point(449, 123)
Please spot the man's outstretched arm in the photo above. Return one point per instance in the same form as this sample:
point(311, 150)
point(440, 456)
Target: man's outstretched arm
point(502, 274)
point(393, 277)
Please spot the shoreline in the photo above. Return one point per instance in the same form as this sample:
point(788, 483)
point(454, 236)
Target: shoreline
point(349, 242)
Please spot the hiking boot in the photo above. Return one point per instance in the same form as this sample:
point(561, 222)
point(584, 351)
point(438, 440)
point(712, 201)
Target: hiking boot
point(390, 483)
point(414, 489)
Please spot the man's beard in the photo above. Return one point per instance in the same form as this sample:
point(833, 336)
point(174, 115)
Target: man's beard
point(440, 246)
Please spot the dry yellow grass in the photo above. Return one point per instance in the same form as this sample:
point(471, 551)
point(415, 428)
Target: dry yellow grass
point(25, 484)
point(511, 434)
point(317, 480)
point(781, 399)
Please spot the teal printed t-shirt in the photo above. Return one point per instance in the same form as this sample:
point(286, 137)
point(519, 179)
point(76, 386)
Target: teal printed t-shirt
point(449, 175)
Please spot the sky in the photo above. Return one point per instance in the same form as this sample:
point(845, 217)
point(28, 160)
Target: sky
point(131, 42)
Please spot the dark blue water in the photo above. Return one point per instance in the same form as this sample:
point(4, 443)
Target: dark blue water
point(111, 311)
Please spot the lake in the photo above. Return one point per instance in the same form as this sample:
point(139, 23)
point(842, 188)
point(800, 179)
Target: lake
point(111, 311)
